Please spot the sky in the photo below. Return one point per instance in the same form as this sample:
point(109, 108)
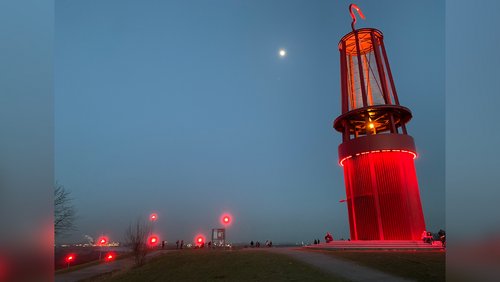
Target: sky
point(185, 108)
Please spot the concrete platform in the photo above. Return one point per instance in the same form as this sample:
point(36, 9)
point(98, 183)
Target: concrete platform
point(378, 245)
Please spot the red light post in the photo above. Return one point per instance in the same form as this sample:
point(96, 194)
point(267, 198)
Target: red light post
point(153, 240)
point(383, 198)
point(109, 256)
point(101, 242)
point(70, 258)
point(199, 240)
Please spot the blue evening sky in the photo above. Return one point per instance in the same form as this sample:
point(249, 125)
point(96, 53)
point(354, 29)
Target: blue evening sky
point(186, 109)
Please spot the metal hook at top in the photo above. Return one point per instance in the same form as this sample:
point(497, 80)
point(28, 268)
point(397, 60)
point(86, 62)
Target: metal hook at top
point(353, 7)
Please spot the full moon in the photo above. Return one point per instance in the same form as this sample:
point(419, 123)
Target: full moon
point(282, 52)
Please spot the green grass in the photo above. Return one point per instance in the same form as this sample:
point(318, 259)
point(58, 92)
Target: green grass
point(417, 265)
point(218, 265)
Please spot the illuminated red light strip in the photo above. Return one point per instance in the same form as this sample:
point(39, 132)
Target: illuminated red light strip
point(378, 151)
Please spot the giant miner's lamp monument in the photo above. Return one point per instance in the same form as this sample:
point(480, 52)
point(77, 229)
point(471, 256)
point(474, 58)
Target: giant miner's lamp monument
point(377, 154)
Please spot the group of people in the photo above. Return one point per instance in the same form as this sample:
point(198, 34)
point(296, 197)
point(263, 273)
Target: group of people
point(428, 237)
point(180, 245)
point(257, 244)
point(328, 239)
point(202, 245)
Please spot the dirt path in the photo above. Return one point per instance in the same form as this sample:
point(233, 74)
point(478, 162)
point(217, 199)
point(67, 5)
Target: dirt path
point(101, 269)
point(346, 269)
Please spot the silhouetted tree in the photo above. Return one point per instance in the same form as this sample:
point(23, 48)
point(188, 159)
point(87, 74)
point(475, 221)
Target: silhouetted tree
point(136, 238)
point(64, 211)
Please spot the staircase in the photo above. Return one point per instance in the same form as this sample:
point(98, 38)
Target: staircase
point(378, 245)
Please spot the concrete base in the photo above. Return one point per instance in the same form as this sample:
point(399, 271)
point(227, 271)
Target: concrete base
point(378, 245)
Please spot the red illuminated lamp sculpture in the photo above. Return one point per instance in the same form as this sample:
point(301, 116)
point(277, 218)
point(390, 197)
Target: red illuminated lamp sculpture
point(383, 198)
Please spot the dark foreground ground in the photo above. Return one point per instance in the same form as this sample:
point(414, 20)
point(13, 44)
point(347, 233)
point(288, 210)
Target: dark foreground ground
point(276, 264)
point(219, 265)
point(415, 265)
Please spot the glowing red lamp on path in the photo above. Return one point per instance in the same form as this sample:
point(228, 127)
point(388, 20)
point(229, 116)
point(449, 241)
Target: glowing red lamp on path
point(70, 258)
point(110, 256)
point(153, 217)
point(199, 240)
point(153, 240)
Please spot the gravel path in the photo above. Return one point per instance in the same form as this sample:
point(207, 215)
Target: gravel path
point(344, 268)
